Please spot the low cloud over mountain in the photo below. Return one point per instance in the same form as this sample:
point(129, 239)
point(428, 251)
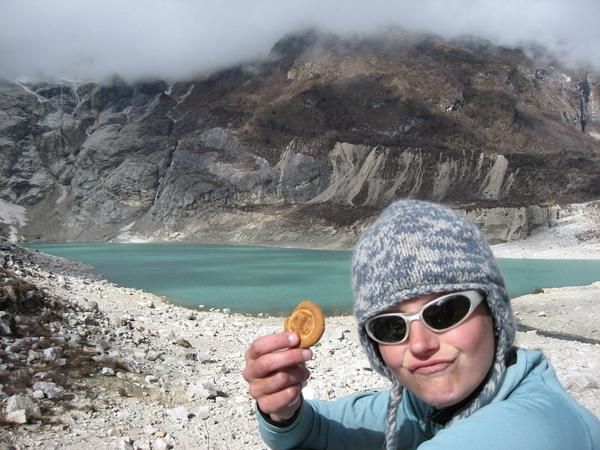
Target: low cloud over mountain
point(178, 39)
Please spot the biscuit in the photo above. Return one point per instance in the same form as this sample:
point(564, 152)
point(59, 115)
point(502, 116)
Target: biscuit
point(308, 321)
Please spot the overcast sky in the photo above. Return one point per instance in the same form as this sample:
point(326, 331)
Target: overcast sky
point(175, 39)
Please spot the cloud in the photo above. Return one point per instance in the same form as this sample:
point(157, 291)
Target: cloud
point(177, 39)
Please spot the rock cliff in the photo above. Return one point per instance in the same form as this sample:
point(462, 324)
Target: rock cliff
point(304, 148)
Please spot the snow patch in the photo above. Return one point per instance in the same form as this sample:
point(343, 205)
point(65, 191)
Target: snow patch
point(125, 236)
point(127, 227)
point(63, 194)
point(14, 216)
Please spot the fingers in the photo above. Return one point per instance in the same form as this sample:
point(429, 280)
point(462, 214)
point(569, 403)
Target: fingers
point(268, 354)
point(282, 404)
point(273, 362)
point(279, 381)
point(272, 343)
point(275, 370)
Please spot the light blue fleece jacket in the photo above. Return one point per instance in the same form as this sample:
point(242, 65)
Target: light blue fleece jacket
point(531, 411)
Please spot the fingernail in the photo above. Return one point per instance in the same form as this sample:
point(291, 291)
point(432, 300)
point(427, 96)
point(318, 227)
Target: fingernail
point(293, 339)
point(306, 355)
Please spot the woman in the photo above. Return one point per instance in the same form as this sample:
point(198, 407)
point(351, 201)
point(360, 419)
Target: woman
point(435, 319)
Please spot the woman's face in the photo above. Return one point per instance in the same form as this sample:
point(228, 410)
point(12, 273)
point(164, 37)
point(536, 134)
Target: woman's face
point(442, 369)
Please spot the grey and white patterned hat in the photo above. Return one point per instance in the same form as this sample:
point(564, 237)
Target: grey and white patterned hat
point(417, 248)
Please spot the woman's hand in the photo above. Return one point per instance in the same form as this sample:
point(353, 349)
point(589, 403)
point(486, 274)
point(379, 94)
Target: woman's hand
point(275, 371)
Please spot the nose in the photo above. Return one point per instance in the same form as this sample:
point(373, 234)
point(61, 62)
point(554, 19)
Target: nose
point(421, 340)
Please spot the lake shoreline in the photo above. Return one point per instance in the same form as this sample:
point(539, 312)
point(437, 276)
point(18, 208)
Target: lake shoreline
point(165, 375)
point(540, 245)
point(254, 280)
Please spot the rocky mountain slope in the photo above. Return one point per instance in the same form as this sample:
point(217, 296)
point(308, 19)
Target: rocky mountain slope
point(304, 148)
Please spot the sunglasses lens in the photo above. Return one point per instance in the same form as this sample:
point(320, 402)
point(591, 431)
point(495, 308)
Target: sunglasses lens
point(447, 312)
point(388, 328)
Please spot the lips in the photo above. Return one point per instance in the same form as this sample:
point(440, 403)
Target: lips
point(429, 367)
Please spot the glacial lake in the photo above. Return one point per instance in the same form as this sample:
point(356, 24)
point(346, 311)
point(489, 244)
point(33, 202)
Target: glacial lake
point(254, 279)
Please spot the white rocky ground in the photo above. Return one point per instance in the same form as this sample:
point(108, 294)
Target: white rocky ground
point(576, 235)
point(137, 372)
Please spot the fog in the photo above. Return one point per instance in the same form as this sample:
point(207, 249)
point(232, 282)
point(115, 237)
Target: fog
point(178, 39)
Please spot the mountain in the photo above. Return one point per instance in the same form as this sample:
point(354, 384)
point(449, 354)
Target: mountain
point(304, 148)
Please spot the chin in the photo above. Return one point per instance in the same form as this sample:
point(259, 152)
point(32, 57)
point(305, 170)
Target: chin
point(443, 404)
point(441, 400)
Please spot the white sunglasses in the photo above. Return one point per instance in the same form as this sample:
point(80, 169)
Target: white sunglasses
point(438, 315)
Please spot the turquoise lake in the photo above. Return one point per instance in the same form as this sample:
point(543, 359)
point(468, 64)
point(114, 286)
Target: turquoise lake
point(253, 279)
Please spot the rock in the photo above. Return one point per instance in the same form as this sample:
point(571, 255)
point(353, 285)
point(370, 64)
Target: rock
point(5, 329)
point(204, 389)
point(150, 430)
point(120, 363)
point(161, 444)
point(183, 343)
point(61, 340)
point(191, 356)
point(126, 444)
point(203, 412)
point(20, 402)
point(12, 349)
point(102, 346)
point(38, 395)
point(18, 417)
point(6, 323)
point(88, 306)
point(49, 389)
point(180, 413)
point(143, 445)
point(51, 353)
point(107, 372)
point(151, 379)
point(152, 355)
point(581, 383)
point(201, 357)
point(10, 292)
point(33, 356)
point(126, 319)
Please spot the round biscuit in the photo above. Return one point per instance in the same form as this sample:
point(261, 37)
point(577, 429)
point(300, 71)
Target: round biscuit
point(308, 321)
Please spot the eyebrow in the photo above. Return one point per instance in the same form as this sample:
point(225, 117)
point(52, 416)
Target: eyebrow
point(402, 304)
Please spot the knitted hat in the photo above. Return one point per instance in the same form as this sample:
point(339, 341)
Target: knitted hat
point(417, 248)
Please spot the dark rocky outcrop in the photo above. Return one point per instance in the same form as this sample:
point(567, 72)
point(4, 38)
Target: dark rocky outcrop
point(302, 149)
